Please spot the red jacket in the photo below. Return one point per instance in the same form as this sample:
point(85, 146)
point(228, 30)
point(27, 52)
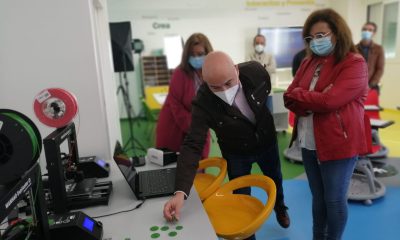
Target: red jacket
point(175, 116)
point(339, 110)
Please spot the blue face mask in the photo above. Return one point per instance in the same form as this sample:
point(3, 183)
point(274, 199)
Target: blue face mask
point(366, 35)
point(322, 46)
point(196, 62)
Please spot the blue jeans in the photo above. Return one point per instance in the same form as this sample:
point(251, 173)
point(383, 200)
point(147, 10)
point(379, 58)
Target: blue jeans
point(329, 182)
point(270, 165)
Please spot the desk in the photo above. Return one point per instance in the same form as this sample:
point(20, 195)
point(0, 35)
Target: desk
point(136, 224)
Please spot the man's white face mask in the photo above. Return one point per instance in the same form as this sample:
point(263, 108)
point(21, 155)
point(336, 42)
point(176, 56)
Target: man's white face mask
point(259, 48)
point(229, 94)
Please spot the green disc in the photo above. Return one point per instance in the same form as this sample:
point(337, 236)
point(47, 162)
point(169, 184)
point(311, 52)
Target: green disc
point(154, 228)
point(165, 228)
point(155, 235)
point(178, 227)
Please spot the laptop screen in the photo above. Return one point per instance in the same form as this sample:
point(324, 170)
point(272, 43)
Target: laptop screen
point(125, 165)
point(126, 168)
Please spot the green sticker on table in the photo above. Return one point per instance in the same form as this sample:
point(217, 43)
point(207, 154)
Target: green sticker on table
point(155, 235)
point(172, 234)
point(179, 227)
point(165, 228)
point(154, 228)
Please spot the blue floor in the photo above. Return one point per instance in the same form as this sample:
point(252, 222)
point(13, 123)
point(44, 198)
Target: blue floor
point(381, 220)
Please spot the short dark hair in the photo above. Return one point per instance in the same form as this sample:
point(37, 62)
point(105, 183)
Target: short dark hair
point(338, 26)
point(193, 40)
point(373, 24)
point(258, 35)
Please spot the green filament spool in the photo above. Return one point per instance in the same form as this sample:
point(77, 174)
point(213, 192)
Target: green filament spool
point(20, 145)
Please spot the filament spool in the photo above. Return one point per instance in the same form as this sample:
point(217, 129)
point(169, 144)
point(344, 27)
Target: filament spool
point(20, 145)
point(55, 107)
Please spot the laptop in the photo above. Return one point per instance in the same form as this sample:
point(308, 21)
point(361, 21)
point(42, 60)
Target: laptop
point(148, 183)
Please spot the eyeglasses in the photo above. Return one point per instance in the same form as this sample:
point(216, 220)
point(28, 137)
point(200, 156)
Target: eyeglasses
point(316, 36)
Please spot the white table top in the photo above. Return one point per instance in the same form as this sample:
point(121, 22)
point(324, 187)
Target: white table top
point(136, 224)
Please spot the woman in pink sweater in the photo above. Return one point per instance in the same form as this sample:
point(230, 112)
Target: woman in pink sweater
point(175, 116)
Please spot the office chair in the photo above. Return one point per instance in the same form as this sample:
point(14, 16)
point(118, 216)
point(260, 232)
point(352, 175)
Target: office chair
point(238, 216)
point(379, 150)
point(364, 186)
point(205, 183)
point(372, 100)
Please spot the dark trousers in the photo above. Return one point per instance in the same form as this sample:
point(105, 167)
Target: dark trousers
point(270, 165)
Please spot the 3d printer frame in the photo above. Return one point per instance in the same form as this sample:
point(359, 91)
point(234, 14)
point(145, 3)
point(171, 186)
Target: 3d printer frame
point(70, 194)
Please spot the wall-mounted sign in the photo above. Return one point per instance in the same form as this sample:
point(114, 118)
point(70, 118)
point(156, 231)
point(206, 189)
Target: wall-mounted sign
point(157, 25)
point(278, 3)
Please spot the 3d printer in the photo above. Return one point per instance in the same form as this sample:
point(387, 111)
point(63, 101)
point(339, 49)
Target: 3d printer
point(67, 188)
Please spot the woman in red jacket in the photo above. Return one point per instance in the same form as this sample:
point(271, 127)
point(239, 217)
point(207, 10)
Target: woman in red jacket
point(175, 116)
point(327, 97)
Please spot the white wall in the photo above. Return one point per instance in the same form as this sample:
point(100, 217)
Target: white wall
point(230, 25)
point(106, 83)
point(355, 14)
point(53, 43)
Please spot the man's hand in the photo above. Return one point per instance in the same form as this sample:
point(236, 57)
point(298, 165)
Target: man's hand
point(172, 208)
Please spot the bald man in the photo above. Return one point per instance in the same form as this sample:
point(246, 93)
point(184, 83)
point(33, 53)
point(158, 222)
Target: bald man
point(232, 102)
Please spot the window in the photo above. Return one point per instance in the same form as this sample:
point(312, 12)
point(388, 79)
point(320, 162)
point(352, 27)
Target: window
point(389, 28)
point(374, 14)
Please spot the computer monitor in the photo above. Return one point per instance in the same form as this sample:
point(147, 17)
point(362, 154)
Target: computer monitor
point(283, 43)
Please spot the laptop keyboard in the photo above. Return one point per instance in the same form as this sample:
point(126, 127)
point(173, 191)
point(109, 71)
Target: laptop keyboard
point(157, 182)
